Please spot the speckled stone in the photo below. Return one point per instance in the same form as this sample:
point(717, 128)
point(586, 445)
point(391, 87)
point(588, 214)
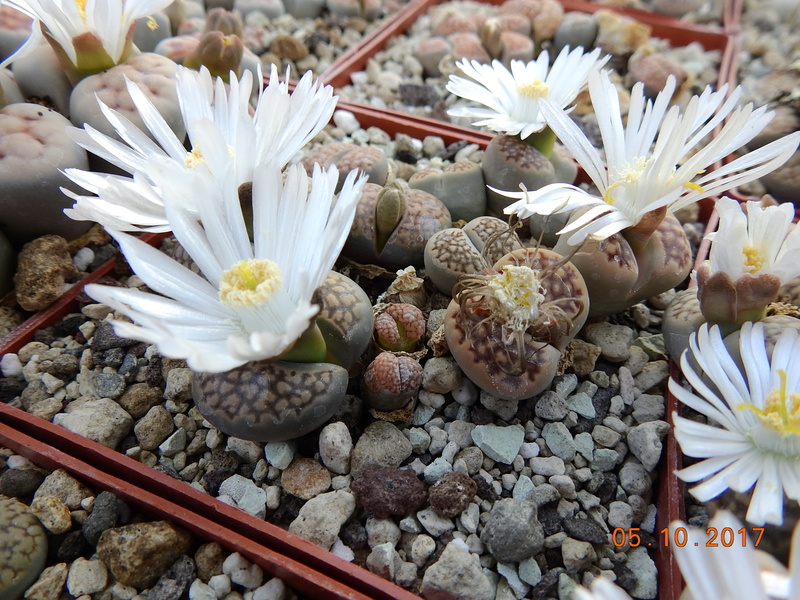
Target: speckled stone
point(306, 478)
point(23, 548)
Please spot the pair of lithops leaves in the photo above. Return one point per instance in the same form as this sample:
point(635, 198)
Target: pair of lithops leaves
point(514, 309)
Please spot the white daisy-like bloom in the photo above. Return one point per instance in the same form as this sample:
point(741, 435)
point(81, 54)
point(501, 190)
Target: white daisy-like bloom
point(753, 438)
point(760, 240)
point(253, 301)
point(222, 129)
point(658, 160)
point(82, 28)
point(512, 98)
point(727, 571)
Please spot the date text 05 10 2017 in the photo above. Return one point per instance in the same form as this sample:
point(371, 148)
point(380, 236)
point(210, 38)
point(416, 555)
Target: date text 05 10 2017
point(725, 537)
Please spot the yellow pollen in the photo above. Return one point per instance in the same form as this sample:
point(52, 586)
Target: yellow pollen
point(193, 158)
point(249, 283)
point(534, 91)
point(81, 4)
point(753, 259)
point(629, 174)
point(781, 411)
point(152, 23)
point(518, 293)
point(693, 186)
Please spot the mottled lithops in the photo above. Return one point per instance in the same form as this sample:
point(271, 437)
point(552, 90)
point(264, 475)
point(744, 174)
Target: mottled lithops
point(155, 76)
point(347, 157)
point(681, 319)
point(23, 548)
point(399, 327)
point(453, 252)
point(459, 186)
point(366, 9)
point(34, 150)
point(507, 162)
point(393, 224)
point(345, 319)
point(390, 381)
point(639, 262)
point(270, 402)
point(508, 328)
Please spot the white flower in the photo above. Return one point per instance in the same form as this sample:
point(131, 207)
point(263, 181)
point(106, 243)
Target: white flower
point(753, 438)
point(602, 589)
point(222, 132)
point(660, 159)
point(513, 97)
point(252, 301)
point(756, 241)
point(84, 23)
point(733, 571)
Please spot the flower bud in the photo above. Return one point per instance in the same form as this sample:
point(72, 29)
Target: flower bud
point(219, 53)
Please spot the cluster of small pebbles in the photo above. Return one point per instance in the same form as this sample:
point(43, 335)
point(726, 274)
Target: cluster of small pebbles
point(58, 536)
point(411, 73)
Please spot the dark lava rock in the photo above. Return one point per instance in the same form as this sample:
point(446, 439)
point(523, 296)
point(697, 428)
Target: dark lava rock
point(384, 491)
point(10, 388)
point(484, 491)
point(46, 335)
point(69, 325)
point(585, 530)
point(152, 374)
point(547, 586)
point(20, 483)
point(104, 515)
point(104, 339)
point(626, 579)
point(415, 94)
point(603, 485)
point(73, 546)
point(63, 366)
point(222, 465)
point(174, 584)
point(354, 535)
point(110, 358)
point(452, 493)
point(550, 519)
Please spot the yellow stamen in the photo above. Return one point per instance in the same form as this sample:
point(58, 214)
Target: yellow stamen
point(249, 283)
point(152, 23)
point(695, 187)
point(781, 411)
point(518, 293)
point(629, 174)
point(81, 4)
point(193, 158)
point(534, 91)
point(753, 259)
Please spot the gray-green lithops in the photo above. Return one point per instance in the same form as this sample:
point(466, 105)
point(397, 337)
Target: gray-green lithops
point(393, 224)
point(453, 252)
point(459, 186)
point(23, 548)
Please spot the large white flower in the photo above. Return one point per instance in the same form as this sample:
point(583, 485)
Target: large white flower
point(753, 438)
point(85, 28)
point(222, 128)
point(758, 240)
point(727, 571)
point(513, 97)
point(253, 301)
point(659, 159)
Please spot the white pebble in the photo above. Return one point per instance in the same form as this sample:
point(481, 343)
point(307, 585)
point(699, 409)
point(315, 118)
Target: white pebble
point(200, 591)
point(466, 152)
point(242, 572)
point(346, 121)
point(342, 551)
point(274, 589)
point(83, 258)
point(10, 365)
point(18, 462)
point(221, 584)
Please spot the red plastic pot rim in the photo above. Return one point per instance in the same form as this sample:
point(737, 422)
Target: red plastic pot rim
point(282, 553)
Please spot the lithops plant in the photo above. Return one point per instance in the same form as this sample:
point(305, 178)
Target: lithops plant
point(34, 150)
point(392, 225)
point(453, 252)
point(154, 74)
point(459, 186)
point(399, 327)
point(221, 54)
point(346, 156)
point(23, 548)
point(390, 381)
point(508, 327)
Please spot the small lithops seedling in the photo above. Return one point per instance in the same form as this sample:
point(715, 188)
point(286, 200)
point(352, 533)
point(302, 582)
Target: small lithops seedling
point(453, 252)
point(400, 327)
point(391, 380)
point(507, 328)
point(393, 224)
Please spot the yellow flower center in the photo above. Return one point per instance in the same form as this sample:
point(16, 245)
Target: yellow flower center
point(517, 290)
point(534, 91)
point(193, 158)
point(629, 174)
point(753, 259)
point(249, 283)
point(152, 23)
point(81, 4)
point(781, 411)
